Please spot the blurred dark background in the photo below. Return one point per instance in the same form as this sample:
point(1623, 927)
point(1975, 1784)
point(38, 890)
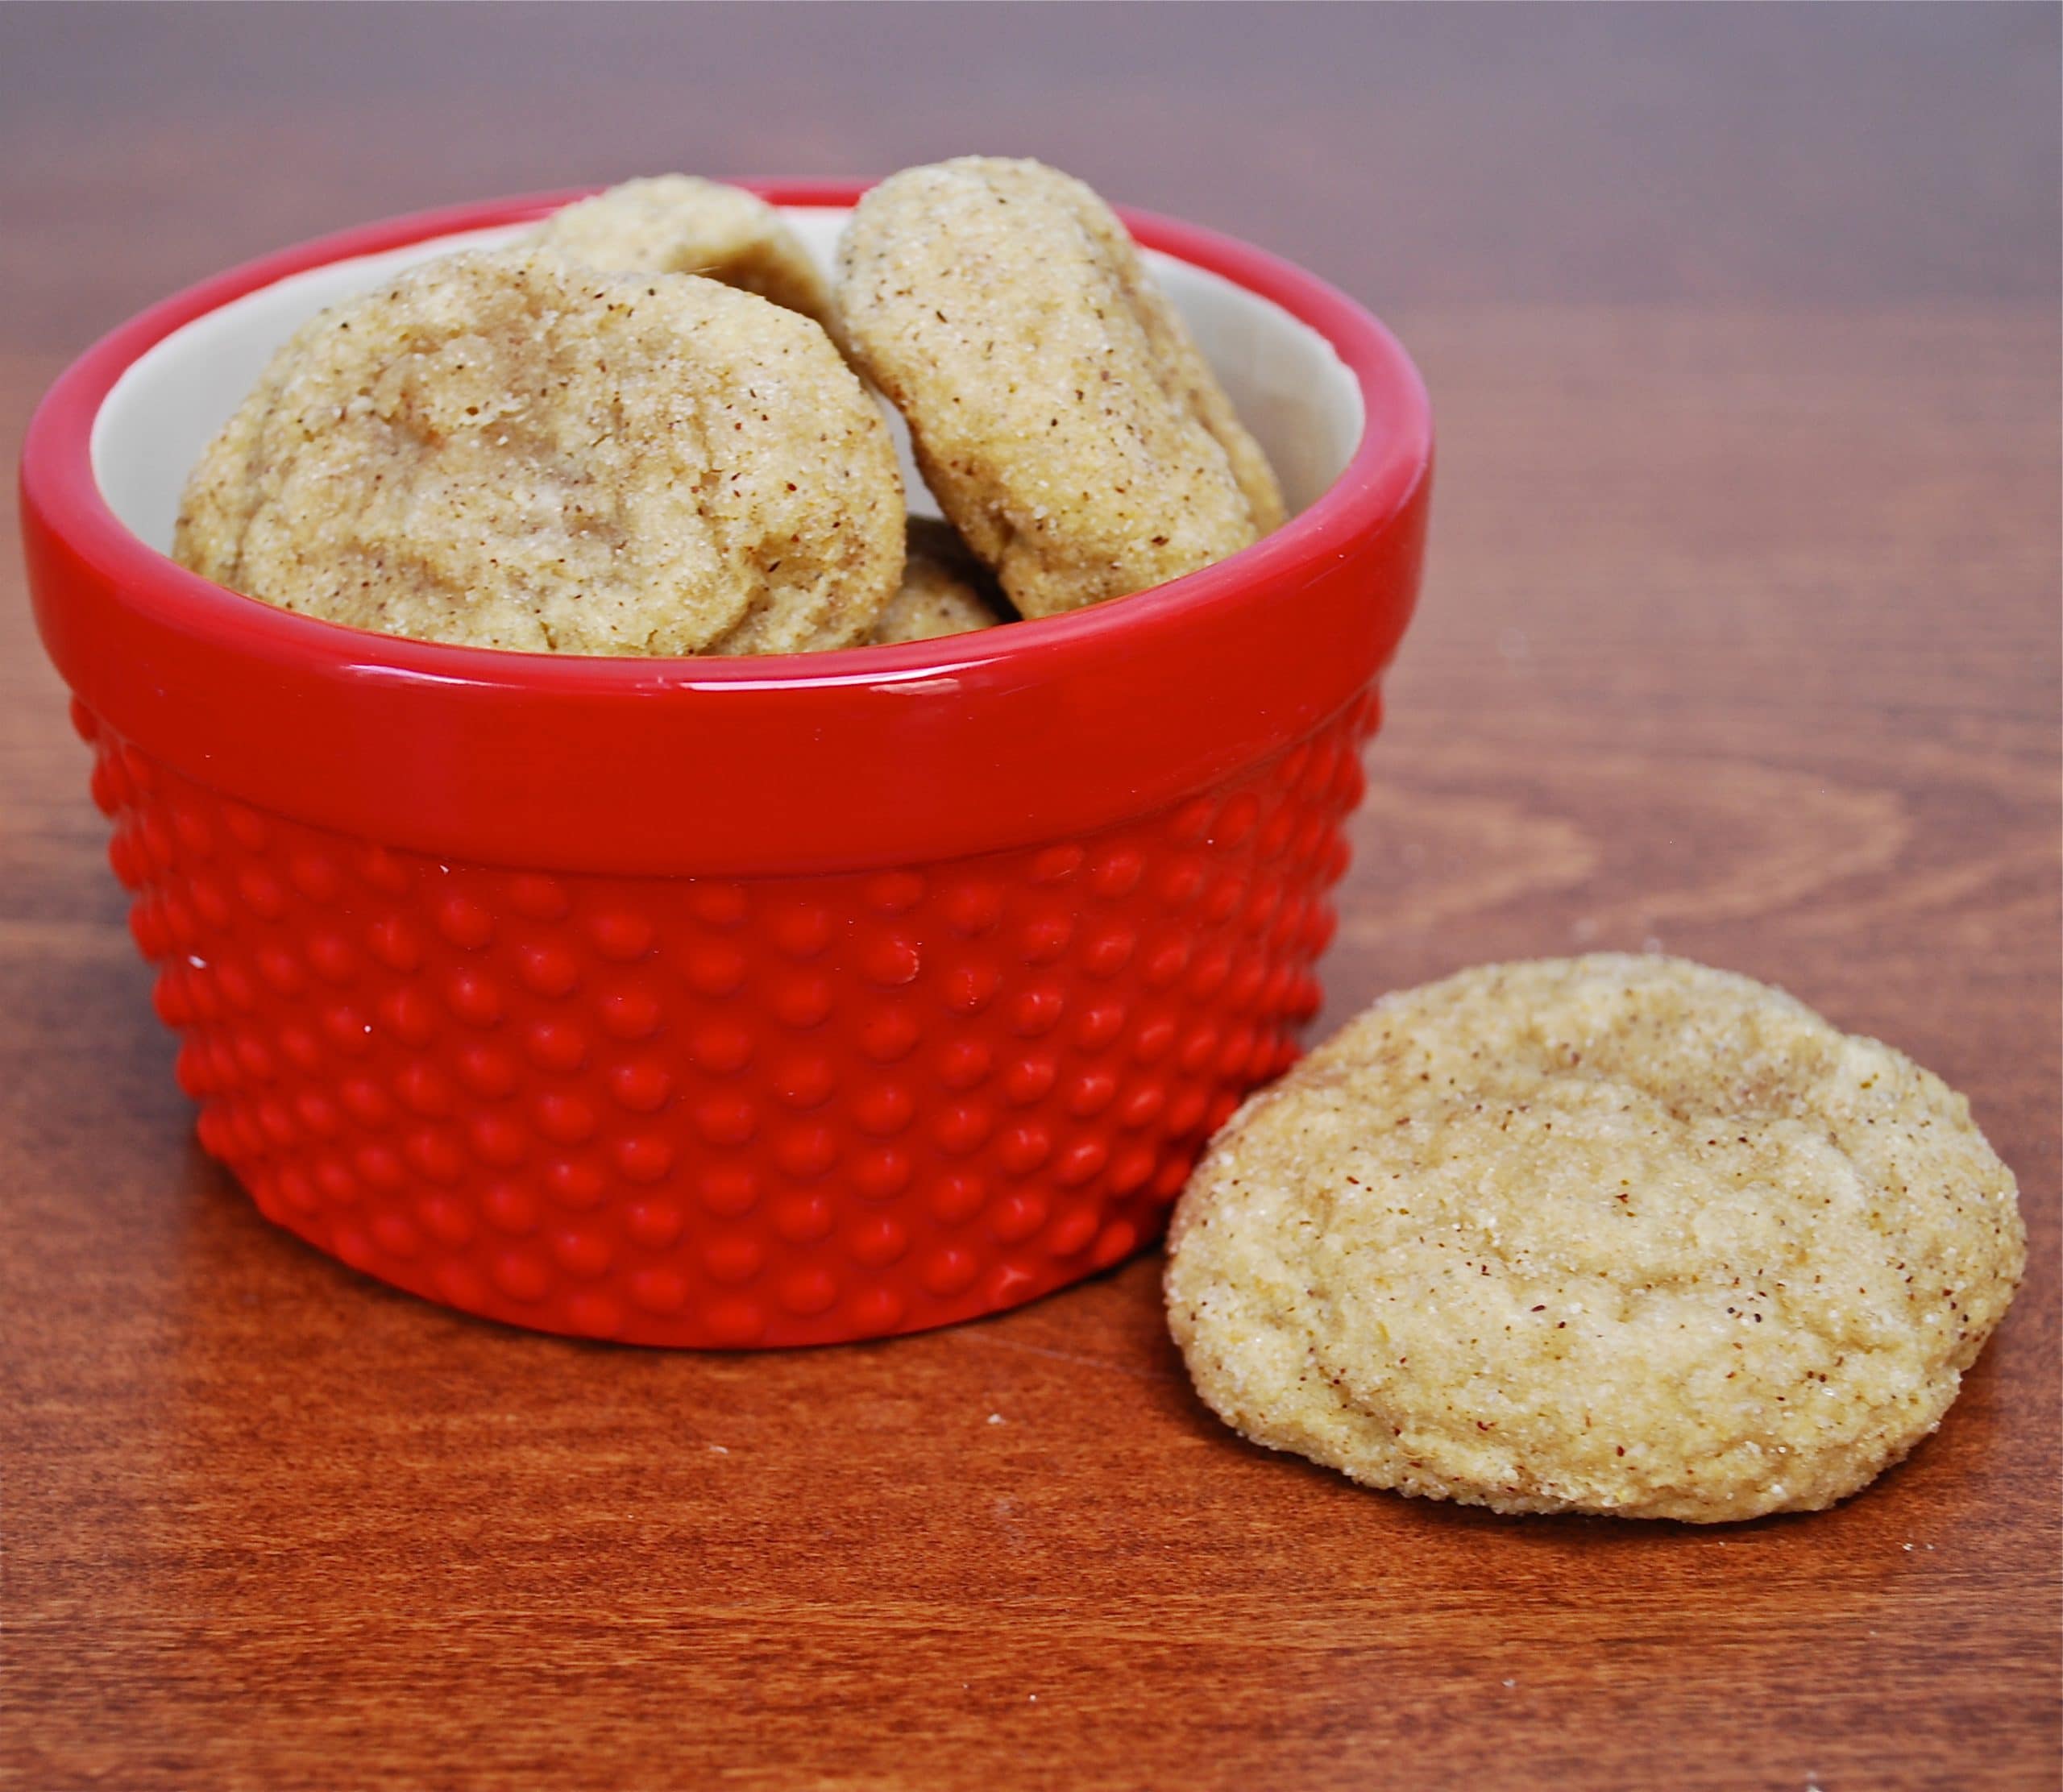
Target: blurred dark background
point(1501, 153)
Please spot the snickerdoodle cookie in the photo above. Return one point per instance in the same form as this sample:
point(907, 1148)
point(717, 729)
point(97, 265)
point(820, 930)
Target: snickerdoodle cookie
point(1608, 1235)
point(945, 591)
point(681, 224)
point(1066, 422)
point(510, 449)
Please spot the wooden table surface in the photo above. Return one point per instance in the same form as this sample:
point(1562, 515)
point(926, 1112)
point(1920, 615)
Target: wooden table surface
point(1739, 636)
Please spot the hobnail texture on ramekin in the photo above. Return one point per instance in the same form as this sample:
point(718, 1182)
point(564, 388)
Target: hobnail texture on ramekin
point(728, 1112)
point(921, 1004)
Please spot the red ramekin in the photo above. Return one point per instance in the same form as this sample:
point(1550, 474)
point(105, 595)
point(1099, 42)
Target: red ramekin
point(732, 1002)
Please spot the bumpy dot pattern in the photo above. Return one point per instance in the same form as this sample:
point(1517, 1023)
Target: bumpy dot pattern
point(724, 1113)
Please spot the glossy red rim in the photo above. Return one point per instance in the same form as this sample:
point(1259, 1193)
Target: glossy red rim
point(863, 755)
point(58, 477)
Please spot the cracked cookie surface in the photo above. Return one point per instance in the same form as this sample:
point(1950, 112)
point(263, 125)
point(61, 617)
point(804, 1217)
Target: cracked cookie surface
point(1069, 426)
point(510, 450)
point(1610, 1234)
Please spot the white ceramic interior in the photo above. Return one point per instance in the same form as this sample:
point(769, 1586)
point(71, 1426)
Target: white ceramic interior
point(1289, 387)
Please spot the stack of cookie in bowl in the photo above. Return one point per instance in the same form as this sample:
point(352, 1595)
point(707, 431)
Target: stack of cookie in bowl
point(636, 430)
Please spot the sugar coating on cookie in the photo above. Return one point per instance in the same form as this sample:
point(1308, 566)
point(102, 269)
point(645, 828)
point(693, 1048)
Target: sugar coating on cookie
point(1060, 412)
point(945, 591)
point(1609, 1234)
point(507, 450)
point(682, 224)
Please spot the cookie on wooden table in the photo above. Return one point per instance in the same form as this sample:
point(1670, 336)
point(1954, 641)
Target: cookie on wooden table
point(1608, 1235)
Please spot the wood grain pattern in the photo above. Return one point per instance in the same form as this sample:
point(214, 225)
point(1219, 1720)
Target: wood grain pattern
point(1739, 636)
